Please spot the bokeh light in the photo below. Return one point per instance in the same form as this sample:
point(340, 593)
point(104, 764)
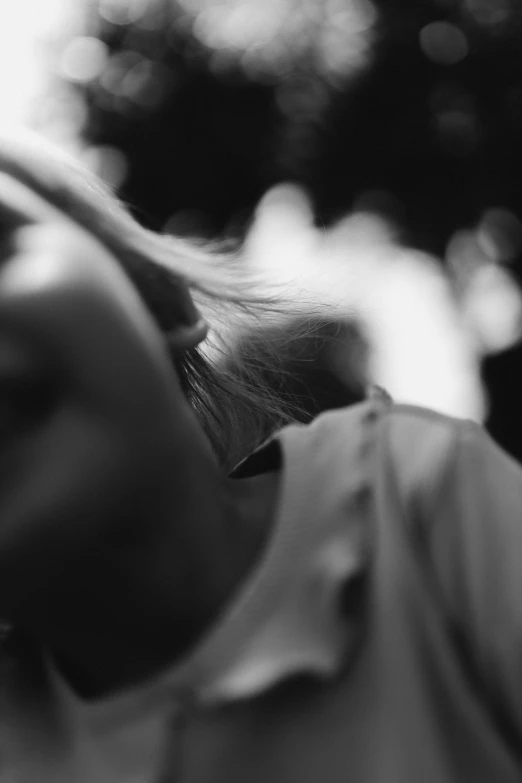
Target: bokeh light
point(499, 234)
point(443, 43)
point(123, 12)
point(108, 163)
point(489, 12)
point(272, 38)
point(421, 349)
point(29, 32)
point(489, 299)
point(455, 118)
point(83, 59)
point(492, 305)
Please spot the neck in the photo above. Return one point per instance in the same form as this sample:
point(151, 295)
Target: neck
point(150, 607)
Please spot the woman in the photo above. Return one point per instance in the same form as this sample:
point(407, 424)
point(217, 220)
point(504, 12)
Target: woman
point(344, 605)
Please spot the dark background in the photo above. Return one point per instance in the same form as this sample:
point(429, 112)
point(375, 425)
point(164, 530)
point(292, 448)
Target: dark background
point(426, 130)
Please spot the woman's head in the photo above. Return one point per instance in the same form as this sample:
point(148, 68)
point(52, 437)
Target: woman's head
point(98, 442)
point(178, 281)
point(95, 312)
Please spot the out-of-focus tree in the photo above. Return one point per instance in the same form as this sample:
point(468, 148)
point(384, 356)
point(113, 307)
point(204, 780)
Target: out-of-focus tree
point(431, 132)
point(197, 107)
point(410, 109)
point(30, 33)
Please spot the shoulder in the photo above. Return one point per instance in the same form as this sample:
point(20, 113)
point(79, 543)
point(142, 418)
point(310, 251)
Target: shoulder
point(420, 452)
point(400, 449)
point(421, 444)
point(377, 445)
point(416, 436)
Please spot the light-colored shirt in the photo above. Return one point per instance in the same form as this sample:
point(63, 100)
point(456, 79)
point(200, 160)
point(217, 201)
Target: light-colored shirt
point(284, 619)
point(425, 508)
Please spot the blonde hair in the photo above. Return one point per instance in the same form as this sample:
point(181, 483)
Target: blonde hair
point(228, 294)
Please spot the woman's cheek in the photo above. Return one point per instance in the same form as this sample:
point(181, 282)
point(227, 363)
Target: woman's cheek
point(63, 491)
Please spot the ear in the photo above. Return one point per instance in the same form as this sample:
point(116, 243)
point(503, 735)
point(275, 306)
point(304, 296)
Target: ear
point(183, 337)
point(189, 328)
